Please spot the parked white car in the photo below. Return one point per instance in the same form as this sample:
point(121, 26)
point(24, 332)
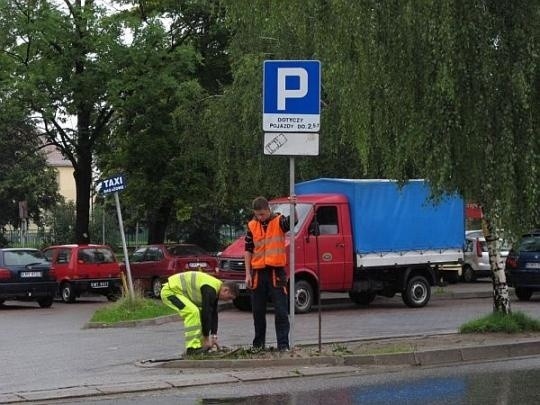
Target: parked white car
point(475, 256)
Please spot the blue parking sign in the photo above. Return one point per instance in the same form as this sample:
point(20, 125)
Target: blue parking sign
point(291, 95)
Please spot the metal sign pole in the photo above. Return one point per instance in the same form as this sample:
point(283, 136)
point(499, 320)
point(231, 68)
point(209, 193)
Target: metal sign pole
point(124, 246)
point(292, 289)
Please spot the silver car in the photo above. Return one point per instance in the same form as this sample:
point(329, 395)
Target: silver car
point(475, 256)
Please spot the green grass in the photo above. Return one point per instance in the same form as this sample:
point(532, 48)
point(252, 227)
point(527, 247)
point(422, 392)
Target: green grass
point(131, 309)
point(498, 322)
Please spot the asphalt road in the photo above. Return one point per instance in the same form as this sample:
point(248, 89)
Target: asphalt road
point(48, 348)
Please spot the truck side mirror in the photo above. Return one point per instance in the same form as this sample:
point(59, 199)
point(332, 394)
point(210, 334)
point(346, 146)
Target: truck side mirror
point(314, 229)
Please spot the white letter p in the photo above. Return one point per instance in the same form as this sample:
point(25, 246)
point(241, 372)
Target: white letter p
point(283, 93)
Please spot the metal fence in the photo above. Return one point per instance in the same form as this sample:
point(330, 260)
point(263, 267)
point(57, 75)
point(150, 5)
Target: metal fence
point(40, 239)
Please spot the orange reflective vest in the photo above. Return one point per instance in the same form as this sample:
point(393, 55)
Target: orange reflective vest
point(269, 246)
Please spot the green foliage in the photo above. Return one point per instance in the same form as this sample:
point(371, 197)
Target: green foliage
point(131, 309)
point(446, 91)
point(514, 322)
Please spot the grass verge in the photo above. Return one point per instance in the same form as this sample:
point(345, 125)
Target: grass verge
point(514, 322)
point(131, 309)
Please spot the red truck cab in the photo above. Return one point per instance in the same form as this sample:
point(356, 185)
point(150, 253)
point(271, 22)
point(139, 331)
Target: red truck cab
point(334, 247)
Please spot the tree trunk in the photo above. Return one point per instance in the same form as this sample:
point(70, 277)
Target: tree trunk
point(501, 298)
point(157, 224)
point(83, 182)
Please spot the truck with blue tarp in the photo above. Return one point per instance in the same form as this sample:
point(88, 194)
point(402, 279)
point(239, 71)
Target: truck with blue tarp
point(367, 238)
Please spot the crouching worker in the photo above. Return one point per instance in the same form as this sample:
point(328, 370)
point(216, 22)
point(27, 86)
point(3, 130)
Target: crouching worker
point(195, 295)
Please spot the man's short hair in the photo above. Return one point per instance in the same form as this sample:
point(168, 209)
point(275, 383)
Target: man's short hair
point(233, 287)
point(260, 203)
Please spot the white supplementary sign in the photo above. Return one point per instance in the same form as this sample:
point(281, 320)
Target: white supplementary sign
point(291, 95)
point(290, 144)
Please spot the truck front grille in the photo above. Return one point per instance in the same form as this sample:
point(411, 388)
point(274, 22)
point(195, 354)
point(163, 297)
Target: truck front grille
point(232, 265)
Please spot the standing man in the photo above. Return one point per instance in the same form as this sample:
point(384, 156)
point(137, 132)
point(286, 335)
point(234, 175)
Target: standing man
point(265, 260)
point(195, 295)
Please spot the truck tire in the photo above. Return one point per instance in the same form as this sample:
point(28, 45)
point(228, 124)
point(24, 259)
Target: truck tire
point(468, 274)
point(303, 297)
point(242, 303)
point(417, 293)
point(362, 298)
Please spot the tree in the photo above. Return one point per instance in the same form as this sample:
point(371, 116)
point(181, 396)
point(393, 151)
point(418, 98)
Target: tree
point(157, 136)
point(24, 174)
point(63, 57)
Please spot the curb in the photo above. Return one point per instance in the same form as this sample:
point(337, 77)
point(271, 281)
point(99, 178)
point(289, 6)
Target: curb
point(414, 358)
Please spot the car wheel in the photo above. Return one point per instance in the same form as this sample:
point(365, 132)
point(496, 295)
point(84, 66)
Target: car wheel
point(417, 293)
point(45, 302)
point(523, 294)
point(67, 292)
point(468, 274)
point(242, 303)
point(303, 297)
point(156, 287)
point(362, 298)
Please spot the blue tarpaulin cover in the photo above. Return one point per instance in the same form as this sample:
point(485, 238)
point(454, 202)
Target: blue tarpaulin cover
point(387, 218)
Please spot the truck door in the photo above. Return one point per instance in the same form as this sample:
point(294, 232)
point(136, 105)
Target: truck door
point(329, 247)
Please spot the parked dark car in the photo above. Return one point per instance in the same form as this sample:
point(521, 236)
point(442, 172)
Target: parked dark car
point(26, 275)
point(85, 269)
point(151, 265)
point(523, 266)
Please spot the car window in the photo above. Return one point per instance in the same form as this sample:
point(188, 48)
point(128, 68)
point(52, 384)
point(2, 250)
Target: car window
point(64, 256)
point(23, 257)
point(468, 245)
point(138, 255)
point(96, 255)
point(530, 243)
point(153, 254)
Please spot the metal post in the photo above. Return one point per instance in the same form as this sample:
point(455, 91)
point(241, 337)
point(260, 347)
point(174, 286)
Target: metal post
point(124, 246)
point(292, 289)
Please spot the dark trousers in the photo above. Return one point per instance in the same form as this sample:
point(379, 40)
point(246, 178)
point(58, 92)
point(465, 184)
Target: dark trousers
point(259, 299)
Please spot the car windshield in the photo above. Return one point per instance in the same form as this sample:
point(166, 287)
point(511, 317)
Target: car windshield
point(302, 211)
point(530, 243)
point(186, 250)
point(23, 257)
point(96, 255)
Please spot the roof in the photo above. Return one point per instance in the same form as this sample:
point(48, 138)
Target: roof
point(55, 157)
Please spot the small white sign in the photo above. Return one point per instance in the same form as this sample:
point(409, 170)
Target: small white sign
point(291, 144)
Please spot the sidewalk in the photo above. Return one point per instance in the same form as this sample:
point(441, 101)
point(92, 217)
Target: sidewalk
point(403, 351)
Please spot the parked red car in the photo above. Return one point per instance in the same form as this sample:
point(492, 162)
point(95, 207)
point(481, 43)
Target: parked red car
point(85, 268)
point(151, 265)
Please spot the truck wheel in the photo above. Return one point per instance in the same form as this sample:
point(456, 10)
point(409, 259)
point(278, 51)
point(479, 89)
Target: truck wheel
point(417, 293)
point(362, 298)
point(156, 287)
point(468, 274)
point(242, 303)
point(303, 297)
point(523, 294)
point(45, 302)
point(67, 292)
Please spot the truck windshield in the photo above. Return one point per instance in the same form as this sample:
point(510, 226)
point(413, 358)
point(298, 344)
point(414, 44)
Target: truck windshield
point(302, 210)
